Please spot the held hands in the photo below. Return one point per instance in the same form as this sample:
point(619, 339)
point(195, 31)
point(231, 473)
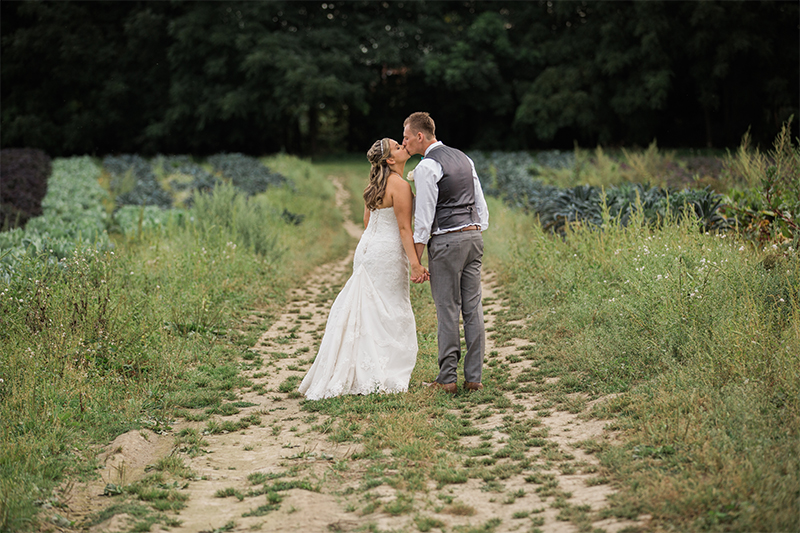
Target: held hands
point(419, 274)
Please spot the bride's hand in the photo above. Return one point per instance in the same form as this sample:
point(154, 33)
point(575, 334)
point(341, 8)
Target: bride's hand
point(418, 273)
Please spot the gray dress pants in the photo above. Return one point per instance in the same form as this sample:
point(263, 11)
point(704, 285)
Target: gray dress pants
point(454, 261)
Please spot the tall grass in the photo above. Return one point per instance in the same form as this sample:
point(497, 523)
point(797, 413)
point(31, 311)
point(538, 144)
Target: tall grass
point(651, 166)
point(103, 342)
point(763, 189)
point(701, 337)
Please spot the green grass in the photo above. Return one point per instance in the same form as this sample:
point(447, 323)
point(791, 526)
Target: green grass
point(110, 340)
point(694, 332)
point(699, 334)
point(696, 336)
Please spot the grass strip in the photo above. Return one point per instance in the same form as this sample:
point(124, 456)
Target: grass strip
point(106, 342)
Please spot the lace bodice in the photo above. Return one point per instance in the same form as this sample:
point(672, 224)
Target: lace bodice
point(381, 252)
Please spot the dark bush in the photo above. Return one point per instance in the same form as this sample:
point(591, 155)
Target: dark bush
point(23, 184)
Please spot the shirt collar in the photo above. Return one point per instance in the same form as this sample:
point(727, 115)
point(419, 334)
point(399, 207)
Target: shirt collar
point(431, 147)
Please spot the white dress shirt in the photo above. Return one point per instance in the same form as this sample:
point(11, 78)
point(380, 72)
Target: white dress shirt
point(426, 178)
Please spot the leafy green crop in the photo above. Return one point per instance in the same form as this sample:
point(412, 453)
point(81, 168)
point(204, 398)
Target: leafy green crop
point(131, 220)
point(245, 172)
point(133, 182)
point(73, 216)
point(512, 176)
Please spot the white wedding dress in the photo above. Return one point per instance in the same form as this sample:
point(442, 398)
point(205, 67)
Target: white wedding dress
point(370, 341)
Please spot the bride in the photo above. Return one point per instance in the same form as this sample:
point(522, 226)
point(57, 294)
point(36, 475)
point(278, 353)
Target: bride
point(370, 340)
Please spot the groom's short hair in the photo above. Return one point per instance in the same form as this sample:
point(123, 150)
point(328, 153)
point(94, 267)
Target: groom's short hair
point(421, 121)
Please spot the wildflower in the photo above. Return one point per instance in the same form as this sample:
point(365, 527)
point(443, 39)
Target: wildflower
point(741, 248)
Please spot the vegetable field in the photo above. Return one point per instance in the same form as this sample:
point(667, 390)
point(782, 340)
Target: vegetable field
point(654, 294)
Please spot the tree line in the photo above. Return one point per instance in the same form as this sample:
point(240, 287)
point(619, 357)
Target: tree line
point(316, 77)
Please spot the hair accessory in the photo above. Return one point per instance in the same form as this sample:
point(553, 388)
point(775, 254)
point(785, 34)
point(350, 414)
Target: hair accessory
point(381, 147)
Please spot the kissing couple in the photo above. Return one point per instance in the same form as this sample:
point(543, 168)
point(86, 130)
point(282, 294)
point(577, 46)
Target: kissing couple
point(370, 340)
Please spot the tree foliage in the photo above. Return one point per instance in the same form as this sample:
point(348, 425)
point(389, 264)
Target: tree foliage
point(257, 77)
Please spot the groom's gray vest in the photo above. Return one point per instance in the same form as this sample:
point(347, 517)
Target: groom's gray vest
point(456, 203)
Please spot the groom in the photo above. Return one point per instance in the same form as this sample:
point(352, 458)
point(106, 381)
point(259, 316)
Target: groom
point(450, 215)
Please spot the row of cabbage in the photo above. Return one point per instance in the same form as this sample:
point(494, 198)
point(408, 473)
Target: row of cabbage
point(513, 177)
point(77, 212)
point(752, 190)
point(73, 216)
point(170, 181)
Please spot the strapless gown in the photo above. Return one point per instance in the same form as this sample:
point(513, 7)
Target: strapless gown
point(370, 340)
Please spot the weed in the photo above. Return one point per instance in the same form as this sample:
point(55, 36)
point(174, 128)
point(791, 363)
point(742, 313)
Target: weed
point(402, 504)
point(459, 509)
point(426, 523)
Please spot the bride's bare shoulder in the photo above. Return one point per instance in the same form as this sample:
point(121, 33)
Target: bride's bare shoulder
point(398, 182)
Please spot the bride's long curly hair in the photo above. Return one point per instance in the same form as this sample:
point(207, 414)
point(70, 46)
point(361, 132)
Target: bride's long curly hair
point(378, 174)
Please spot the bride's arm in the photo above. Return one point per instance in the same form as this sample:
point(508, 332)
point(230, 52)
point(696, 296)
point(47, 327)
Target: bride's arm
point(402, 200)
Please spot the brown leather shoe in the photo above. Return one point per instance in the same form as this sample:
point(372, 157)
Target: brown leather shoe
point(449, 388)
point(471, 386)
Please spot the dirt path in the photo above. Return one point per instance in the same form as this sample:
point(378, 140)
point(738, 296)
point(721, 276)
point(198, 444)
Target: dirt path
point(288, 445)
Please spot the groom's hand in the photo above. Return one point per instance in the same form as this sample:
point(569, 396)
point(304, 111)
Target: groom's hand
point(422, 277)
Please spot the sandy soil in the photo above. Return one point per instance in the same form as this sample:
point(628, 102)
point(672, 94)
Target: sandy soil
point(286, 441)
